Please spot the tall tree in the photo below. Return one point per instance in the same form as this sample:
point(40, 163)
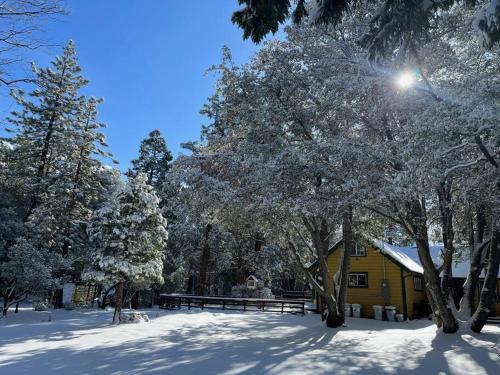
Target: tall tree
point(46, 124)
point(398, 24)
point(128, 235)
point(154, 159)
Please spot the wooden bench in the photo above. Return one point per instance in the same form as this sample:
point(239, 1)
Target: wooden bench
point(176, 301)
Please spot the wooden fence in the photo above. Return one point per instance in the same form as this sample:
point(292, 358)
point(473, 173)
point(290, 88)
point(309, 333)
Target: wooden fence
point(173, 301)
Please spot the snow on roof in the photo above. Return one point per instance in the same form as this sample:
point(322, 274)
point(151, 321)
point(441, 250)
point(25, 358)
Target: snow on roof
point(407, 256)
point(461, 269)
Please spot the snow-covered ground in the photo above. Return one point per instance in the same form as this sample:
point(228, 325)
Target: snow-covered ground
point(215, 342)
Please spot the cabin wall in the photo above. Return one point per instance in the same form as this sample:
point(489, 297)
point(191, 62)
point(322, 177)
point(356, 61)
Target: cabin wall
point(374, 264)
point(413, 296)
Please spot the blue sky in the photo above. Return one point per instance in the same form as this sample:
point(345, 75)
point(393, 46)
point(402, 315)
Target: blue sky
point(147, 60)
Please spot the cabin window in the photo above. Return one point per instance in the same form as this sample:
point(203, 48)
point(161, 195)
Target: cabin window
point(358, 280)
point(358, 251)
point(418, 283)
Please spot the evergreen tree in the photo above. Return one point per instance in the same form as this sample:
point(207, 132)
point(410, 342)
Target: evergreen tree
point(154, 159)
point(396, 24)
point(45, 126)
point(51, 173)
point(128, 235)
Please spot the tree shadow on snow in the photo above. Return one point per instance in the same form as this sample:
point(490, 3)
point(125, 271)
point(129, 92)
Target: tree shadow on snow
point(253, 347)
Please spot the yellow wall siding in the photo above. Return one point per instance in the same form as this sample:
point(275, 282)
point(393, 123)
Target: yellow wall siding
point(412, 295)
point(374, 263)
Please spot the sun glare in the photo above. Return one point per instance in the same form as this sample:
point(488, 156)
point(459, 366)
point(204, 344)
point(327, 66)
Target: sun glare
point(405, 80)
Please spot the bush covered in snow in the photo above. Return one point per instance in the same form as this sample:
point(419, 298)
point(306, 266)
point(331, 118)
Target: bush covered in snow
point(134, 317)
point(40, 306)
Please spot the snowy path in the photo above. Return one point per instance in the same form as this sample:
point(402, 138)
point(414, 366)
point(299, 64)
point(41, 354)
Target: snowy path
point(211, 342)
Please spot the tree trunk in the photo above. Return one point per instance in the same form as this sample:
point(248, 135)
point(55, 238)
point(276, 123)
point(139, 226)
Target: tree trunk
point(242, 270)
point(321, 241)
point(444, 197)
point(205, 258)
point(470, 285)
point(417, 219)
point(117, 317)
point(103, 303)
point(479, 318)
point(5, 306)
point(347, 249)
point(476, 258)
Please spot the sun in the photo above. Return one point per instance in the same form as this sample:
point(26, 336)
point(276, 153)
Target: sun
point(405, 80)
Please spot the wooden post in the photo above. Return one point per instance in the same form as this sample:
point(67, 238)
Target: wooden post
point(303, 308)
point(282, 307)
point(189, 303)
point(223, 305)
point(202, 304)
point(244, 305)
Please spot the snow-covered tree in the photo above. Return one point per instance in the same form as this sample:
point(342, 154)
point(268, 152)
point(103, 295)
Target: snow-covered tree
point(128, 235)
point(154, 159)
point(45, 125)
point(25, 270)
point(51, 172)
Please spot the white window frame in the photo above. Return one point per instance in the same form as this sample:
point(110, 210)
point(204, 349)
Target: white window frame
point(357, 274)
point(359, 251)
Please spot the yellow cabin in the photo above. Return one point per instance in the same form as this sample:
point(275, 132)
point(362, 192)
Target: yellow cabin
point(386, 275)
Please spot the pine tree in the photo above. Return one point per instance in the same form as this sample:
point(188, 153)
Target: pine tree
point(396, 24)
point(128, 235)
point(154, 159)
point(45, 125)
point(55, 161)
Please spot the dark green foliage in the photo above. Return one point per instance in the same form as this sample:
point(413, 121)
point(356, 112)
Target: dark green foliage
point(397, 26)
point(154, 159)
point(259, 17)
